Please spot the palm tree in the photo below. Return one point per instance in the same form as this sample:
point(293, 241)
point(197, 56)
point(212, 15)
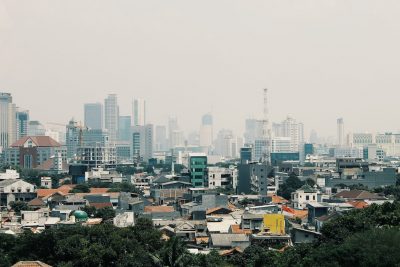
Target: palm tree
point(173, 254)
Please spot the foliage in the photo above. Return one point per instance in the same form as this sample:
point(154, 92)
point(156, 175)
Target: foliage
point(289, 186)
point(124, 187)
point(18, 206)
point(81, 188)
point(106, 213)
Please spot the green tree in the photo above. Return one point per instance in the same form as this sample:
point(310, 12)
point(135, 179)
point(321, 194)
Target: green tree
point(81, 188)
point(289, 186)
point(106, 213)
point(18, 206)
point(173, 254)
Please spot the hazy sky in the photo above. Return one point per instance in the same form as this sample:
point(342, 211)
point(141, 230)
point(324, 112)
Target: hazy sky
point(321, 59)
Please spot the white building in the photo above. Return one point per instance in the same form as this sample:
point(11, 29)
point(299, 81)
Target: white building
point(340, 132)
point(389, 143)
point(111, 114)
point(16, 190)
point(138, 112)
point(9, 175)
point(220, 177)
point(46, 182)
point(305, 195)
point(292, 129)
point(8, 123)
point(142, 142)
point(281, 144)
point(353, 152)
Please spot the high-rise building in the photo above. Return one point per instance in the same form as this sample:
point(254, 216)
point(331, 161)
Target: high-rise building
point(35, 128)
point(8, 126)
point(172, 127)
point(206, 131)
point(124, 130)
point(73, 138)
point(142, 142)
point(94, 115)
point(292, 129)
point(253, 131)
point(139, 112)
point(198, 169)
point(340, 132)
point(22, 123)
point(161, 138)
point(111, 116)
point(177, 139)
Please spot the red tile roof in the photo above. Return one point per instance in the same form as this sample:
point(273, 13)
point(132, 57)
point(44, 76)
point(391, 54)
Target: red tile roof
point(63, 190)
point(94, 190)
point(155, 209)
point(358, 204)
point(41, 141)
point(235, 229)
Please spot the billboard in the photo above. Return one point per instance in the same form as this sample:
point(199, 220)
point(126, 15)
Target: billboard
point(274, 224)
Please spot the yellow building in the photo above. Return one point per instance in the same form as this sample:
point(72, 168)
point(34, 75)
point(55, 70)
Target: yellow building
point(274, 224)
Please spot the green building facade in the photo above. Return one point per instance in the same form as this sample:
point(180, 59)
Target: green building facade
point(198, 169)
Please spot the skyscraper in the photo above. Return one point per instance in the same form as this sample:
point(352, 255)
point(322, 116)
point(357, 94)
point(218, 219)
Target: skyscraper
point(139, 112)
point(8, 126)
point(94, 115)
point(290, 128)
point(142, 142)
point(340, 132)
point(172, 128)
point(111, 116)
point(161, 138)
point(124, 128)
point(206, 131)
point(22, 123)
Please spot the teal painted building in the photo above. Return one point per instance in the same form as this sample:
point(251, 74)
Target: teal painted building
point(198, 169)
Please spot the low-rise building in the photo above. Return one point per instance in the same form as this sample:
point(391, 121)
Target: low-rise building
point(16, 190)
point(305, 195)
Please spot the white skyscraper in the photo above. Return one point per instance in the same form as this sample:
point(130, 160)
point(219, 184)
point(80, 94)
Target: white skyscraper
point(8, 126)
point(111, 116)
point(292, 129)
point(138, 112)
point(340, 132)
point(142, 142)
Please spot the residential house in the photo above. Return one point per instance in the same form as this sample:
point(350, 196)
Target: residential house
point(16, 190)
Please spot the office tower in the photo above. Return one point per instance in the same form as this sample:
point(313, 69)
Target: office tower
point(35, 128)
point(172, 127)
point(161, 138)
point(340, 132)
point(22, 123)
point(313, 137)
point(8, 126)
point(292, 129)
point(198, 169)
point(73, 138)
point(94, 115)
point(124, 129)
point(253, 130)
point(142, 143)
point(139, 112)
point(177, 139)
point(111, 116)
point(246, 155)
point(206, 131)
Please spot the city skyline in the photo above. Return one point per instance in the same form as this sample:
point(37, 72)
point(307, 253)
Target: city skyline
point(204, 67)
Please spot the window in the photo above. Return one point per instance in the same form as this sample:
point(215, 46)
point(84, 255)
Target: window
point(307, 197)
point(313, 197)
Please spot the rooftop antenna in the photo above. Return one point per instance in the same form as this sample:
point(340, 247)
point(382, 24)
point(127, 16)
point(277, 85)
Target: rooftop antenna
point(266, 128)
